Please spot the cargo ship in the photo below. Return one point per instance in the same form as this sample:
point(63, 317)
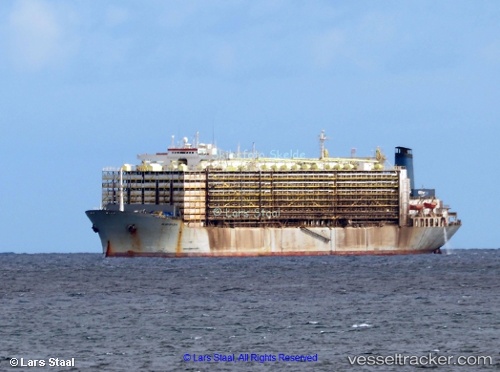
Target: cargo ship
point(197, 200)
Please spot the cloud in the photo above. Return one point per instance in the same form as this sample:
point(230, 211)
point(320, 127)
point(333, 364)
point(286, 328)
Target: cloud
point(36, 35)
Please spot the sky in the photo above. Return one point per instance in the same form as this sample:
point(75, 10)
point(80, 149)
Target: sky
point(89, 84)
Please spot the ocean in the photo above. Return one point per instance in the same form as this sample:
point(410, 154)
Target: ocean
point(84, 312)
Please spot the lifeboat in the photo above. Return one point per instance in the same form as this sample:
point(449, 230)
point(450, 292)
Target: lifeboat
point(430, 205)
point(416, 207)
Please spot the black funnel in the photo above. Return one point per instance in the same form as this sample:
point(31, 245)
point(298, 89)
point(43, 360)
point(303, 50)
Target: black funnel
point(404, 158)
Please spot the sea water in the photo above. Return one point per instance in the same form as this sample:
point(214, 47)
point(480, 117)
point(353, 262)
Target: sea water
point(249, 314)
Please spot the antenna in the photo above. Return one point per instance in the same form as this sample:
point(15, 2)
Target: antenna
point(172, 144)
point(122, 207)
point(322, 139)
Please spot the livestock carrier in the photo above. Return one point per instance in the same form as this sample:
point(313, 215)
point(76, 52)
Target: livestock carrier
point(196, 200)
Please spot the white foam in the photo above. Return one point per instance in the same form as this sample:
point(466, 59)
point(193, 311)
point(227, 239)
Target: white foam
point(362, 325)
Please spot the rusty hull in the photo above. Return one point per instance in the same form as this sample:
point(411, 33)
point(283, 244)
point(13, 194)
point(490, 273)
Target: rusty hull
point(170, 237)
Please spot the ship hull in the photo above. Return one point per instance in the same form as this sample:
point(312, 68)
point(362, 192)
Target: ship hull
point(129, 234)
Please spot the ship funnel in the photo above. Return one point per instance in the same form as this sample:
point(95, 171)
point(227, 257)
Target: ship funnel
point(404, 158)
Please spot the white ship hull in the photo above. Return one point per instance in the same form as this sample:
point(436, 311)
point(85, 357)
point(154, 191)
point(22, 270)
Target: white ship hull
point(141, 234)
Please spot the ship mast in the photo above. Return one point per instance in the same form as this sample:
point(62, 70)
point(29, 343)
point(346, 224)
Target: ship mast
point(122, 207)
point(322, 139)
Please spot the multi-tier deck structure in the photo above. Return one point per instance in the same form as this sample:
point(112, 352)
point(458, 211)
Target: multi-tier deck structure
point(197, 201)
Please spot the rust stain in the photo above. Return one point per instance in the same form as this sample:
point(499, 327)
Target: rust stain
point(178, 248)
point(226, 239)
point(109, 251)
point(250, 242)
point(136, 242)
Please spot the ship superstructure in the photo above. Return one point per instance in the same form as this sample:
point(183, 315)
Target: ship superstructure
point(197, 200)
